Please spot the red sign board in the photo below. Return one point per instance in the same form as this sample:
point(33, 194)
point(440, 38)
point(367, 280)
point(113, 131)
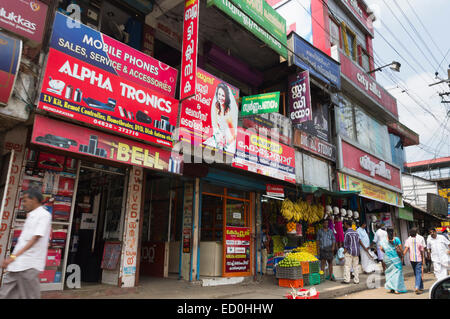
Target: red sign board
point(314, 145)
point(190, 48)
point(208, 120)
point(370, 166)
point(237, 249)
point(275, 190)
point(24, 17)
point(258, 154)
point(367, 84)
point(80, 91)
point(84, 141)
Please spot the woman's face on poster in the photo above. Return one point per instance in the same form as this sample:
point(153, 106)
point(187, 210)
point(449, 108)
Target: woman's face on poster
point(221, 96)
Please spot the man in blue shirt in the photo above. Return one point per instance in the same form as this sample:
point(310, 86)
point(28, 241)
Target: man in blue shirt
point(351, 252)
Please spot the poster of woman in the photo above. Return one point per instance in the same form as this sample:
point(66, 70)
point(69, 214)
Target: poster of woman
point(224, 119)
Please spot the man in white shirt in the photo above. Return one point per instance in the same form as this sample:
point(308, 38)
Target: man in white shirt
point(28, 258)
point(380, 236)
point(439, 248)
point(367, 263)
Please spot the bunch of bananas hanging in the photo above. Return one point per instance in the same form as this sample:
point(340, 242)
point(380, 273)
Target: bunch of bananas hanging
point(287, 209)
point(301, 210)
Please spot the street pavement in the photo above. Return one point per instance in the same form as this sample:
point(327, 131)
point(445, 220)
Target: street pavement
point(382, 293)
point(265, 287)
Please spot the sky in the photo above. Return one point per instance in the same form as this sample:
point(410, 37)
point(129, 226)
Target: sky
point(419, 62)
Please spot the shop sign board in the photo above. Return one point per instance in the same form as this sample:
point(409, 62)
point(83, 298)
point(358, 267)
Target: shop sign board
point(299, 98)
point(318, 125)
point(359, 78)
point(25, 18)
point(368, 190)
point(275, 125)
point(77, 139)
point(210, 118)
point(315, 61)
point(261, 103)
point(10, 54)
point(261, 155)
point(437, 204)
point(359, 161)
point(275, 190)
point(237, 250)
point(79, 91)
point(314, 145)
point(406, 213)
point(189, 50)
point(259, 18)
point(101, 51)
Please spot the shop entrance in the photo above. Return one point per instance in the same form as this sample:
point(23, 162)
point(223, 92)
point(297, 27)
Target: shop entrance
point(161, 228)
point(98, 223)
point(225, 216)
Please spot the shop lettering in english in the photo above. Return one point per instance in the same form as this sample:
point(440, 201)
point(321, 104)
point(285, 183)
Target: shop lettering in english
point(314, 145)
point(76, 139)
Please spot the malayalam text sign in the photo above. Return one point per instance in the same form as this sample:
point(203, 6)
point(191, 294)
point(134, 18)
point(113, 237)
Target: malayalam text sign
point(190, 47)
point(260, 104)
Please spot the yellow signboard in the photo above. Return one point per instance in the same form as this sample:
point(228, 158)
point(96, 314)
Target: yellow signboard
point(368, 190)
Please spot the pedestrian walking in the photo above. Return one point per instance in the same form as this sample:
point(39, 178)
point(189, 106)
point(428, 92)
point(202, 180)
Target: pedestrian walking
point(367, 262)
point(438, 246)
point(23, 266)
point(416, 249)
point(351, 253)
point(325, 237)
point(392, 250)
point(380, 236)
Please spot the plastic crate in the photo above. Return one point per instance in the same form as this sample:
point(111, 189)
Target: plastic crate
point(314, 267)
point(288, 272)
point(305, 267)
point(297, 283)
point(314, 279)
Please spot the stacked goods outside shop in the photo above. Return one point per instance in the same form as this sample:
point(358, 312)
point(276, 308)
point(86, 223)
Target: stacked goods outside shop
point(293, 226)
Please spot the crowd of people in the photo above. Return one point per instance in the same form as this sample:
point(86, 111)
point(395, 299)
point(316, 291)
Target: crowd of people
point(387, 249)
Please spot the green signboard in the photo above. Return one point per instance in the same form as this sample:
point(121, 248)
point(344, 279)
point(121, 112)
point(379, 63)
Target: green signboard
point(258, 17)
point(262, 103)
point(406, 213)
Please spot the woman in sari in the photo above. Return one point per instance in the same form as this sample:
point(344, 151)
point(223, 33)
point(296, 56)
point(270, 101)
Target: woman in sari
point(395, 282)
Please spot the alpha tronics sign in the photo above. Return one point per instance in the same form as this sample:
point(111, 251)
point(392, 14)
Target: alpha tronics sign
point(101, 51)
point(379, 169)
point(24, 17)
point(79, 91)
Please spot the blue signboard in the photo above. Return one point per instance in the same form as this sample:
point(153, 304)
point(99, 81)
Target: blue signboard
point(317, 63)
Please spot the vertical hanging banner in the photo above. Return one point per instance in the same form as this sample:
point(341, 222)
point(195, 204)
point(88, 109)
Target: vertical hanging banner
point(190, 48)
point(299, 98)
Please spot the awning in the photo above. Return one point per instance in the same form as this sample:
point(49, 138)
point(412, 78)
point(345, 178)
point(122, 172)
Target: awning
point(319, 191)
